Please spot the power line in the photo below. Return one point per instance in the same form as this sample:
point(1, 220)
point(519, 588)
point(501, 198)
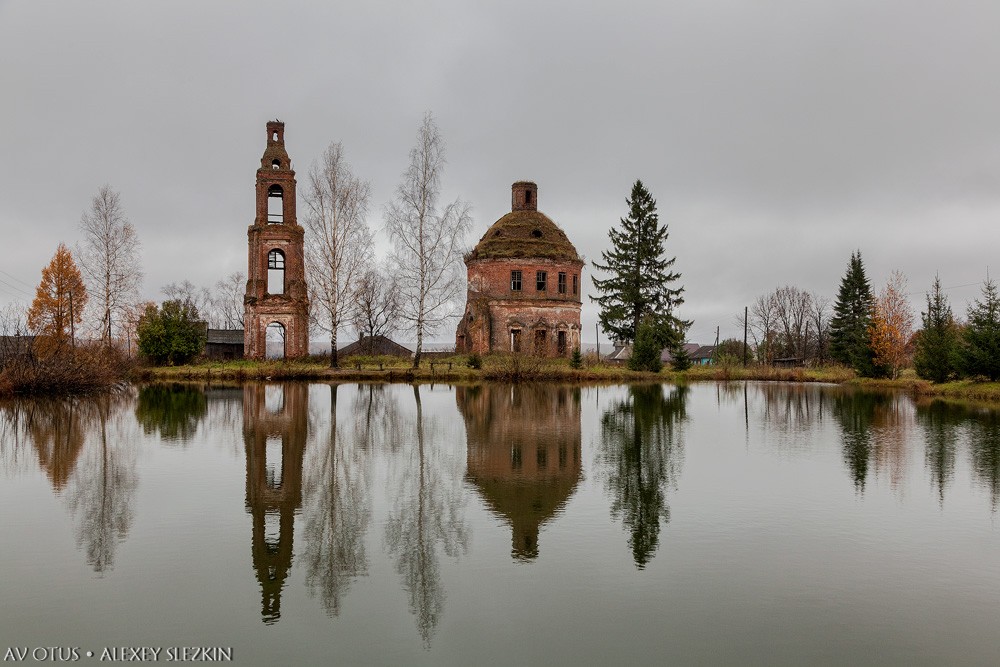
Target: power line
point(944, 289)
point(14, 287)
point(15, 278)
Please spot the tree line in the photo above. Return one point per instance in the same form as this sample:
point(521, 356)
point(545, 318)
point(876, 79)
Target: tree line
point(874, 333)
point(871, 333)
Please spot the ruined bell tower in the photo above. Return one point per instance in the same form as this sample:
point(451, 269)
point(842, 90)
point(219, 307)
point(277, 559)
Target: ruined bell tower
point(276, 300)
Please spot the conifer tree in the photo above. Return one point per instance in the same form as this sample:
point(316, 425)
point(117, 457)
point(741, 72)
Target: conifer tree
point(849, 341)
point(934, 358)
point(980, 348)
point(639, 284)
point(646, 351)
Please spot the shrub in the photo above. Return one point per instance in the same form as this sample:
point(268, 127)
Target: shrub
point(171, 334)
point(475, 361)
point(576, 359)
point(65, 370)
point(516, 367)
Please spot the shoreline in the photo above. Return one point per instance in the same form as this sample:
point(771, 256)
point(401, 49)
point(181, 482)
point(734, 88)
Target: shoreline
point(459, 372)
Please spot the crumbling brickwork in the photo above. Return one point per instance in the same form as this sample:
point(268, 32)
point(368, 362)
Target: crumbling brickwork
point(525, 282)
point(276, 239)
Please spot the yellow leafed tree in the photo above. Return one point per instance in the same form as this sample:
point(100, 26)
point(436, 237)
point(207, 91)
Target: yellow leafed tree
point(59, 300)
point(891, 325)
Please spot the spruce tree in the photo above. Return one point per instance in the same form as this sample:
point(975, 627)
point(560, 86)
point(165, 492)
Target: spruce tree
point(681, 360)
point(980, 349)
point(849, 340)
point(646, 351)
point(934, 358)
point(640, 279)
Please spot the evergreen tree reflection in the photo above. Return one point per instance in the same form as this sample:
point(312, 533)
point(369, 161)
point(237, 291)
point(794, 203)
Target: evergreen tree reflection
point(336, 508)
point(984, 443)
point(642, 454)
point(171, 410)
point(854, 411)
point(427, 513)
point(940, 422)
point(874, 430)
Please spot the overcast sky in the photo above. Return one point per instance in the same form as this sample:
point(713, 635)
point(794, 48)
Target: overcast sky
point(776, 135)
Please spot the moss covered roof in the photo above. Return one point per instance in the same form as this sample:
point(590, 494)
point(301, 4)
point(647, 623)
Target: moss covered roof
point(524, 234)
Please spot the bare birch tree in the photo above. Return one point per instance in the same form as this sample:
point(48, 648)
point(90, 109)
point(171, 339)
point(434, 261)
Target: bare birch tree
point(428, 242)
point(228, 299)
point(338, 243)
point(376, 305)
point(110, 260)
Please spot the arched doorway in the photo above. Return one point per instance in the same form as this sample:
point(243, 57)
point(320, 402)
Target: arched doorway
point(274, 341)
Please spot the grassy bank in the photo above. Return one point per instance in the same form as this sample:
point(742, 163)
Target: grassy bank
point(510, 368)
point(497, 368)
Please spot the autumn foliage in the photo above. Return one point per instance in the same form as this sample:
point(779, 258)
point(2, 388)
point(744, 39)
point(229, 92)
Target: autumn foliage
point(891, 326)
point(59, 301)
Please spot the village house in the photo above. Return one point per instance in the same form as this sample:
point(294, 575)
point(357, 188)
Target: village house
point(524, 285)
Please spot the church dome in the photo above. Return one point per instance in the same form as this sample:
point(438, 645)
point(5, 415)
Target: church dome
point(524, 232)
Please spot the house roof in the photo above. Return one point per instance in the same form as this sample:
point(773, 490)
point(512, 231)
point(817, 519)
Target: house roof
point(704, 352)
point(224, 336)
point(690, 348)
point(380, 344)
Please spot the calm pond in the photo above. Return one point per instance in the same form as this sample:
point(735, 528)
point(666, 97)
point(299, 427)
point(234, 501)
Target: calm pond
point(312, 524)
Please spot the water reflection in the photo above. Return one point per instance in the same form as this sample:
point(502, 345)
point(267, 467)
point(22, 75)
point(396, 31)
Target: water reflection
point(523, 454)
point(874, 431)
point(791, 409)
point(57, 430)
point(337, 506)
point(313, 457)
point(641, 455)
point(171, 410)
point(940, 422)
point(426, 515)
point(984, 439)
point(275, 429)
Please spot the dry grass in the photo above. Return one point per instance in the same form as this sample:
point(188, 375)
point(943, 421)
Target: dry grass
point(65, 370)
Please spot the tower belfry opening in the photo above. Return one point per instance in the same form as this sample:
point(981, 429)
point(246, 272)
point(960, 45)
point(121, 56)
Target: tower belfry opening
point(276, 284)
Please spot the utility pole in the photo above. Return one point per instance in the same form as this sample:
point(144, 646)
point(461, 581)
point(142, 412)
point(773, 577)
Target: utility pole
point(746, 313)
point(597, 337)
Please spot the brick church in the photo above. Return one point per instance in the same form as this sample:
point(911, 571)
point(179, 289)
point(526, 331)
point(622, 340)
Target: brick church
point(524, 285)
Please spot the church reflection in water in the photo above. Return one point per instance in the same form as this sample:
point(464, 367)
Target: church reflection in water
point(275, 429)
point(523, 454)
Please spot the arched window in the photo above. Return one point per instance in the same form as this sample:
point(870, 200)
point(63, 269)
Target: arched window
point(275, 272)
point(274, 344)
point(275, 204)
point(275, 164)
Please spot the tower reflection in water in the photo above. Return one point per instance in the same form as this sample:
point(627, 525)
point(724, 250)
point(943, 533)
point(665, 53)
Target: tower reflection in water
point(275, 428)
point(523, 454)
